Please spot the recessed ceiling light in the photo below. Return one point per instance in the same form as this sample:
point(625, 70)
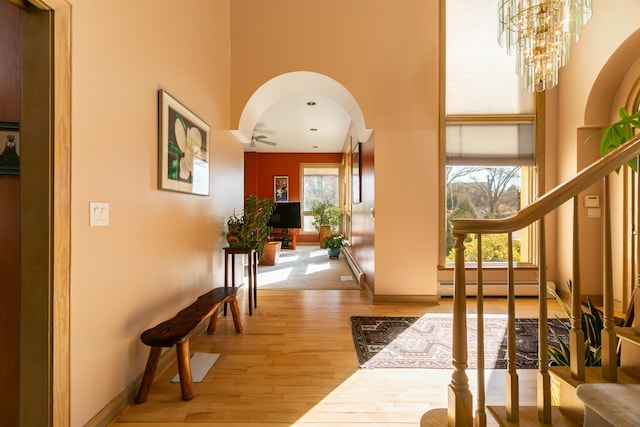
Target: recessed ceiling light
point(311, 103)
point(313, 129)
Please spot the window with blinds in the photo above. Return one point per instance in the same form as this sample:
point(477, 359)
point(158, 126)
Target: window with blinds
point(490, 123)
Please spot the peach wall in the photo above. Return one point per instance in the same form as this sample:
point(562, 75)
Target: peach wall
point(386, 55)
point(161, 249)
point(610, 26)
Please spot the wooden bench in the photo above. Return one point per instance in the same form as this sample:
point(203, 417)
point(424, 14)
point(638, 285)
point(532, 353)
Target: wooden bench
point(177, 330)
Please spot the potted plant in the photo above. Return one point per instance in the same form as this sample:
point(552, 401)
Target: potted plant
point(616, 134)
point(334, 244)
point(250, 229)
point(592, 325)
point(326, 217)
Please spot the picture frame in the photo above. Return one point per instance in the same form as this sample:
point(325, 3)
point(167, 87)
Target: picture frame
point(356, 176)
point(9, 148)
point(281, 188)
point(184, 146)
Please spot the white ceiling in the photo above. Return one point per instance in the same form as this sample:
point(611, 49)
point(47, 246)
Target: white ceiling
point(285, 109)
point(297, 127)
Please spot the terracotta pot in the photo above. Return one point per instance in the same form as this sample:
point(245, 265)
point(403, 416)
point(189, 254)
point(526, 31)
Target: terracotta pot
point(325, 231)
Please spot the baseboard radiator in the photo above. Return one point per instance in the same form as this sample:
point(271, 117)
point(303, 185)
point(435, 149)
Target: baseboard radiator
point(489, 289)
point(353, 265)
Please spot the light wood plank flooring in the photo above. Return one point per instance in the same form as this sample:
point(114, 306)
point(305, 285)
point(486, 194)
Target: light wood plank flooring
point(295, 365)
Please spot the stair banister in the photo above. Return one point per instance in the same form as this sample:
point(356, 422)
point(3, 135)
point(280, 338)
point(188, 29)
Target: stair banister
point(481, 414)
point(544, 379)
point(576, 335)
point(554, 198)
point(460, 399)
point(460, 412)
point(513, 398)
point(609, 340)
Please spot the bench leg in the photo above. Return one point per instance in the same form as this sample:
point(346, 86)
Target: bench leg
point(214, 319)
point(149, 374)
point(235, 311)
point(184, 369)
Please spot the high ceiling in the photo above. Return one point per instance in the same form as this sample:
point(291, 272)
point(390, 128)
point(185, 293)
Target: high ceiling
point(301, 123)
point(299, 112)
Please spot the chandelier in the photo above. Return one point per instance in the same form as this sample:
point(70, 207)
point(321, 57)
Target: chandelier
point(540, 33)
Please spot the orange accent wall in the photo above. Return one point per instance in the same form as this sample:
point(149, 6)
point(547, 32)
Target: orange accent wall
point(260, 168)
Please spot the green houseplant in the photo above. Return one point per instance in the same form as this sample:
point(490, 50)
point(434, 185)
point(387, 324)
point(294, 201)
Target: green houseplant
point(250, 229)
point(334, 244)
point(326, 217)
point(616, 134)
point(591, 327)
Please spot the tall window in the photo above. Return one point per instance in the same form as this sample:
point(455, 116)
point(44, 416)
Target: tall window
point(489, 138)
point(320, 183)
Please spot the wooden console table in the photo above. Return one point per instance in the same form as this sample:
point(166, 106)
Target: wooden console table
point(288, 238)
point(252, 272)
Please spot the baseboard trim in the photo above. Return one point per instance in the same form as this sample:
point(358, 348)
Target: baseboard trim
point(112, 411)
point(405, 299)
point(355, 267)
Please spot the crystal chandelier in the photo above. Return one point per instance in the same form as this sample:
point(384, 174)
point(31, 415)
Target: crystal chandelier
point(540, 33)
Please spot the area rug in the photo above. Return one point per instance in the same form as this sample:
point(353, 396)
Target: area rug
point(425, 342)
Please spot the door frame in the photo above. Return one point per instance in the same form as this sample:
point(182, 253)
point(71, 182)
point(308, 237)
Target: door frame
point(45, 212)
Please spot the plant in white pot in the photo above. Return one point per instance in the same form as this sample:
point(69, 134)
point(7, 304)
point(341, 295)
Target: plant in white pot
point(326, 217)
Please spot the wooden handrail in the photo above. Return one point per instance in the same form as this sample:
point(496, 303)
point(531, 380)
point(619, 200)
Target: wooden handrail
point(554, 198)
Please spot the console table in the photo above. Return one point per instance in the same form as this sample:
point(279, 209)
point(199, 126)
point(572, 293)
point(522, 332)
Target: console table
point(287, 237)
point(252, 273)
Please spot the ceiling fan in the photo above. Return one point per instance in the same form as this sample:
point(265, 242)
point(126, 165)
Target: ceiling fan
point(261, 139)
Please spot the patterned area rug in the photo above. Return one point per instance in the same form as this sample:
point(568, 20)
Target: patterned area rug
point(425, 342)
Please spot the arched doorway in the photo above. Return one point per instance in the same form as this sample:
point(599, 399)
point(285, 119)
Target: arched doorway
point(618, 85)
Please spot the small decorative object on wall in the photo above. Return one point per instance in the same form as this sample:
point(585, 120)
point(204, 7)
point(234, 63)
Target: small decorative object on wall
point(356, 177)
point(183, 163)
point(9, 148)
point(281, 188)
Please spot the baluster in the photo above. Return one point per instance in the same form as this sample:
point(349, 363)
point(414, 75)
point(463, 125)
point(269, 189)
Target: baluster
point(609, 342)
point(512, 405)
point(460, 411)
point(481, 415)
point(576, 336)
point(544, 380)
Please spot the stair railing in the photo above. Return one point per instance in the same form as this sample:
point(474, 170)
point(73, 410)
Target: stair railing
point(460, 397)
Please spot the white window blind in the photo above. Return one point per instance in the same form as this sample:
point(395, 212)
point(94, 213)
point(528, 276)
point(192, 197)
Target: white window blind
point(481, 76)
point(490, 144)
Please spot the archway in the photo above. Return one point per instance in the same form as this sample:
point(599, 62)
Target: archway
point(295, 86)
point(617, 86)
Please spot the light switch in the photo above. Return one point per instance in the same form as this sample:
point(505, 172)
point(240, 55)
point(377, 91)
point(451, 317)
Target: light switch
point(591, 201)
point(98, 214)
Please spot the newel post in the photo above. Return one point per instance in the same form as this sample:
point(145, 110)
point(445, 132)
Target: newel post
point(460, 400)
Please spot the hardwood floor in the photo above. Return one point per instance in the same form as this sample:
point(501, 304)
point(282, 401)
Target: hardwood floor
point(295, 365)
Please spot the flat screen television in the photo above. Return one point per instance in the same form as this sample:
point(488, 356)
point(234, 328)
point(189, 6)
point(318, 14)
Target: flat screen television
point(286, 215)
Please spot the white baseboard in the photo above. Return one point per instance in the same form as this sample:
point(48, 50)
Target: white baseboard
point(355, 268)
point(445, 289)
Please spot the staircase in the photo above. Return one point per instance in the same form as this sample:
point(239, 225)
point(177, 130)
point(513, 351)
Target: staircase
point(564, 394)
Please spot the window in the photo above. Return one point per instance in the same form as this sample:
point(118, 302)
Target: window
point(320, 183)
point(490, 140)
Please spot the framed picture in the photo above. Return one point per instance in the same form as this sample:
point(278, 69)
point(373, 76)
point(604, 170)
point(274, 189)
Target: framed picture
point(9, 148)
point(281, 188)
point(356, 177)
point(184, 145)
